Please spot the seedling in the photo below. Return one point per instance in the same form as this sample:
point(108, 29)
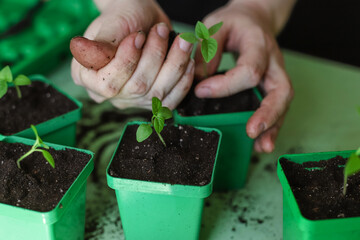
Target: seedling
point(6, 78)
point(352, 166)
point(160, 114)
point(203, 37)
point(34, 148)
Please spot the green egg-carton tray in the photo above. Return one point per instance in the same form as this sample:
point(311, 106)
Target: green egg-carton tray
point(35, 34)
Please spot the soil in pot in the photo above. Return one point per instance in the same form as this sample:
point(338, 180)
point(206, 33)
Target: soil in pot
point(188, 158)
point(318, 186)
point(240, 102)
point(37, 186)
point(39, 103)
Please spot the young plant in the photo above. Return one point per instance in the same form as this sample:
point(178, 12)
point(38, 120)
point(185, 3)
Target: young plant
point(160, 114)
point(352, 165)
point(203, 37)
point(34, 148)
point(6, 78)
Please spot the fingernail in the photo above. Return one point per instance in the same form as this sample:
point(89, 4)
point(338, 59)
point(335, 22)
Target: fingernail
point(190, 66)
point(139, 40)
point(162, 30)
point(203, 92)
point(184, 45)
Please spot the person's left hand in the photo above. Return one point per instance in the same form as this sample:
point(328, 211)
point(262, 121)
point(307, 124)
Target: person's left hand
point(247, 30)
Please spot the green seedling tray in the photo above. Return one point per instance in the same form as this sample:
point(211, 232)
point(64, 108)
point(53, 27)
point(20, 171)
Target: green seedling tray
point(43, 44)
point(160, 211)
point(60, 130)
point(65, 222)
point(236, 147)
point(296, 226)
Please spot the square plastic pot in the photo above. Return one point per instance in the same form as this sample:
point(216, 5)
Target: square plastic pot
point(65, 222)
point(236, 147)
point(59, 130)
point(296, 226)
point(160, 211)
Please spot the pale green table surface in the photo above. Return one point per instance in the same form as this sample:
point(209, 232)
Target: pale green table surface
point(322, 117)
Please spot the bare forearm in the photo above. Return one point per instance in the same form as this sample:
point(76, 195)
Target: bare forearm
point(277, 12)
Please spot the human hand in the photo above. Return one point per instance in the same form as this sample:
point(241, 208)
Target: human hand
point(249, 30)
point(116, 62)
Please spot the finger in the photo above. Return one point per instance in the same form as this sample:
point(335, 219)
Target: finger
point(110, 79)
point(247, 73)
point(149, 66)
point(180, 90)
point(91, 54)
point(266, 141)
point(97, 98)
point(274, 105)
point(173, 68)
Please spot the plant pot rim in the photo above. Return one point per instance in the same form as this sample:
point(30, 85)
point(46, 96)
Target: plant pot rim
point(305, 224)
point(46, 126)
point(221, 118)
point(158, 187)
point(55, 214)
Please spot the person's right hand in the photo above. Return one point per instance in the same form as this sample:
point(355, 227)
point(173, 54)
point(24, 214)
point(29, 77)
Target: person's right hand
point(115, 61)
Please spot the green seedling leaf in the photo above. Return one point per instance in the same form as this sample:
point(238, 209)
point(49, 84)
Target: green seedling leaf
point(213, 29)
point(159, 123)
point(208, 49)
point(6, 74)
point(156, 105)
point(189, 37)
point(48, 158)
point(165, 113)
point(3, 87)
point(353, 165)
point(22, 80)
point(34, 148)
point(201, 30)
point(143, 132)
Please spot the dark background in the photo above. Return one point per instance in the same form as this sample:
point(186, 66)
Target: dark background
point(324, 28)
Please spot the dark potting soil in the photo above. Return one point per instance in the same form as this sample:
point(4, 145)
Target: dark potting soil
point(188, 158)
point(39, 103)
point(240, 102)
point(37, 186)
point(319, 192)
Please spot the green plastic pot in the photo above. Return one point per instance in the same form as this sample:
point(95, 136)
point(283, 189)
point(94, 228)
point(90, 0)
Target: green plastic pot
point(296, 226)
point(65, 222)
point(60, 130)
point(236, 147)
point(160, 211)
point(43, 44)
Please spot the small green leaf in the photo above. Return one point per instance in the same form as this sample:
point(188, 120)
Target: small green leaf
point(189, 37)
point(159, 124)
point(22, 80)
point(143, 132)
point(48, 158)
point(208, 49)
point(156, 105)
point(201, 30)
point(352, 165)
point(6, 74)
point(165, 113)
point(3, 88)
point(213, 29)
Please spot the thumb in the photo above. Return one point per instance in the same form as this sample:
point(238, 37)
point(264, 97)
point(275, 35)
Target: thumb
point(211, 66)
